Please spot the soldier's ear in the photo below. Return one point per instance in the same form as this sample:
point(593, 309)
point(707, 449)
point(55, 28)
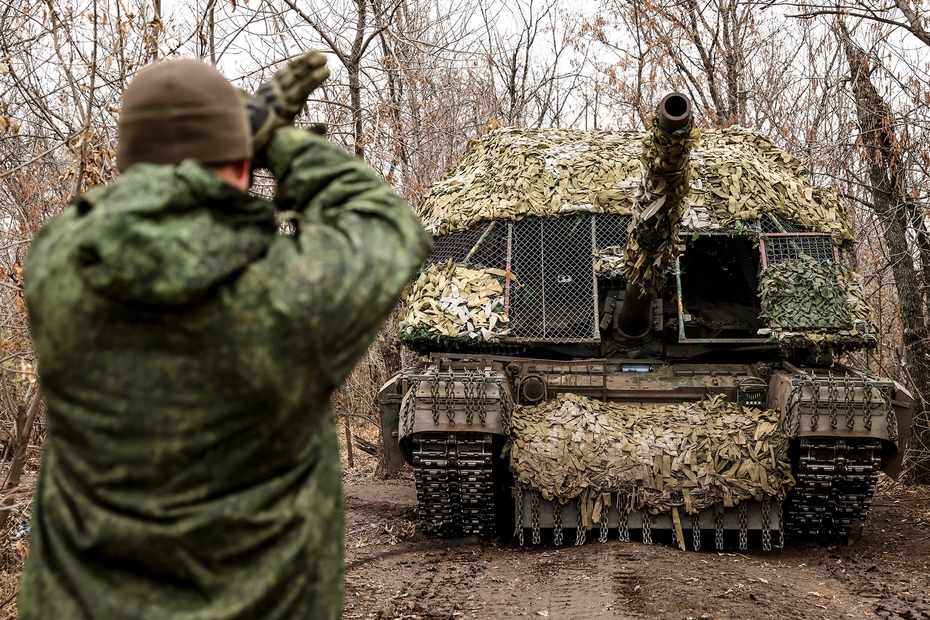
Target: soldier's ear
point(237, 173)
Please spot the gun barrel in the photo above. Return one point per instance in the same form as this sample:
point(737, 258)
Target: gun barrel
point(674, 112)
point(652, 246)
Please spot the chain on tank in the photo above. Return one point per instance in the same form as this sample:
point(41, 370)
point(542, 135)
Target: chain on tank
point(835, 476)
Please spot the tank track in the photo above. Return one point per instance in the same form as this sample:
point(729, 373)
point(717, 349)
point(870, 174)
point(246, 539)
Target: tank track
point(835, 479)
point(454, 479)
point(453, 472)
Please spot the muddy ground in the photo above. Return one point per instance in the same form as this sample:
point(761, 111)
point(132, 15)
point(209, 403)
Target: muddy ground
point(393, 571)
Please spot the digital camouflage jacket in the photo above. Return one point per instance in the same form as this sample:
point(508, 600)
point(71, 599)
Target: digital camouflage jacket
point(187, 353)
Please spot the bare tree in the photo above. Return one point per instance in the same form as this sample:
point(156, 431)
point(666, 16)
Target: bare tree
point(348, 30)
point(425, 109)
point(530, 79)
point(899, 14)
point(903, 225)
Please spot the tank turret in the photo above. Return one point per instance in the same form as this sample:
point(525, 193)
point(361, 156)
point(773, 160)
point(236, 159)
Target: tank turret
point(658, 205)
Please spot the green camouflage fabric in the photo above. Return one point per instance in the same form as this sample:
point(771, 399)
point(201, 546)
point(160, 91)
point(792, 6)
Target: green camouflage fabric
point(815, 306)
point(187, 354)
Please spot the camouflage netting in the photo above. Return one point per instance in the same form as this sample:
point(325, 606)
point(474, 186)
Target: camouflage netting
point(658, 205)
point(449, 301)
point(608, 262)
point(742, 175)
point(689, 456)
point(736, 175)
point(814, 305)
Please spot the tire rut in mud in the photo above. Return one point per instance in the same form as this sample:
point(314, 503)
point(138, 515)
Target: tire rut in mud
point(598, 581)
point(394, 571)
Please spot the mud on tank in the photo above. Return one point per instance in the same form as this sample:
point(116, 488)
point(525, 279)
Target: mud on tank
point(635, 334)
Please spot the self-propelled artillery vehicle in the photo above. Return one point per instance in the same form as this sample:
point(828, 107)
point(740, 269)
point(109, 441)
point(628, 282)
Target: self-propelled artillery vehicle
point(639, 331)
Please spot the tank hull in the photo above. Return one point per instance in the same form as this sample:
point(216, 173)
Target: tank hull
point(451, 419)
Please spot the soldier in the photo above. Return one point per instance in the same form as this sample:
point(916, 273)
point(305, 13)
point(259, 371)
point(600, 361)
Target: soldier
point(188, 351)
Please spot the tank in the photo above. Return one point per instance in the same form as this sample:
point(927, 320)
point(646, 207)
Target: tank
point(636, 335)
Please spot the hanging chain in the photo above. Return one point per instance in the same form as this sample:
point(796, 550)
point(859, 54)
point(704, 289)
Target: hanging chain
point(833, 400)
point(450, 397)
point(581, 531)
point(781, 525)
point(868, 405)
point(506, 406)
point(483, 401)
point(647, 526)
point(519, 508)
point(602, 535)
point(410, 405)
point(623, 513)
point(891, 419)
point(434, 395)
point(849, 394)
point(766, 524)
point(743, 526)
point(718, 529)
point(469, 391)
point(696, 531)
point(557, 518)
point(534, 505)
point(815, 403)
point(793, 407)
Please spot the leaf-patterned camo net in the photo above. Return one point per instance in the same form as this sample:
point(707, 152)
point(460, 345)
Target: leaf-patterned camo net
point(736, 175)
point(689, 455)
point(658, 205)
point(448, 301)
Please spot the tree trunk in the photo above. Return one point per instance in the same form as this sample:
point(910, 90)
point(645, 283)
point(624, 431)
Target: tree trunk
point(355, 84)
point(154, 30)
point(25, 417)
point(888, 186)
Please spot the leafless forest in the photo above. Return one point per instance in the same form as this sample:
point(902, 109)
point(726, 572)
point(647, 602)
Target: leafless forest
point(844, 86)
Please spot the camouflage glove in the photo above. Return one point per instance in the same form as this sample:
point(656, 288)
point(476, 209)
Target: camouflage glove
point(277, 102)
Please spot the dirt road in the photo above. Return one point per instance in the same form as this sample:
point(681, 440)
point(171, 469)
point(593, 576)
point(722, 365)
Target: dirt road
point(393, 571)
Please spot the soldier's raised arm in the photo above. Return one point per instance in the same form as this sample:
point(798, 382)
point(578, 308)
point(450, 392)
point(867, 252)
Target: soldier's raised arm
point(357, 242)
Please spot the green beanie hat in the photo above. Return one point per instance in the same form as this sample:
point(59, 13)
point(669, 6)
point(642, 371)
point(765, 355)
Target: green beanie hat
point(178, 109)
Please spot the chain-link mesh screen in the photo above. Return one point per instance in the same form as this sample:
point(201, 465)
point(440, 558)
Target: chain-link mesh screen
point(770, 224)
point(743, 226)
point(767, 224)
point(457, 245)
point(736, 227)
point(492, 252)
point(819, 247)
point(483, 245)
point(789, 228)
point(612, 230)
point(556, 298)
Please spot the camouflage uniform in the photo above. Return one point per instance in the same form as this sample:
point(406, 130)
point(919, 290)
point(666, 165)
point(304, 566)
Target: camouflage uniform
point(187, 355)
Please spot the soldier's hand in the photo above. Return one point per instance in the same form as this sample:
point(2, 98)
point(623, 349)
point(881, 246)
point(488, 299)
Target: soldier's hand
point(277, 102)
